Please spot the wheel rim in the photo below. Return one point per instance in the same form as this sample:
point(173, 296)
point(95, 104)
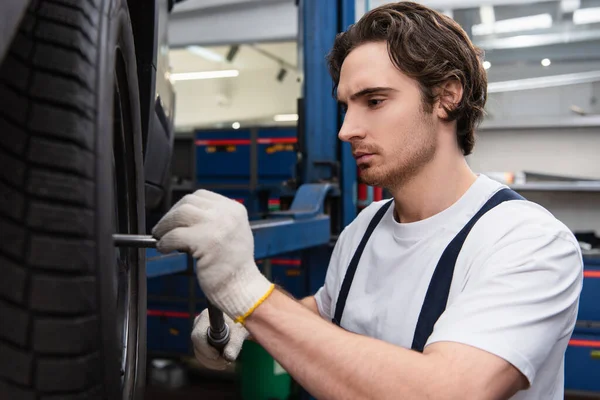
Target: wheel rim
point(125, 214)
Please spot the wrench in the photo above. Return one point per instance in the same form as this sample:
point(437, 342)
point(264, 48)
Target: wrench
point(218, 331)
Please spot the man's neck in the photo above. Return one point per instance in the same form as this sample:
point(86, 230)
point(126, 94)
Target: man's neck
point(437, 186)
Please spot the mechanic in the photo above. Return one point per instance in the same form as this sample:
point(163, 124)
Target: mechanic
point(458, 288)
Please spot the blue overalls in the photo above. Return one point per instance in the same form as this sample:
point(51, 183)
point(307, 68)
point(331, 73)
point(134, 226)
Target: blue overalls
point(439, 287)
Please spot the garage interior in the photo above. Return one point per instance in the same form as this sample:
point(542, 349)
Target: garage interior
point(247, 111)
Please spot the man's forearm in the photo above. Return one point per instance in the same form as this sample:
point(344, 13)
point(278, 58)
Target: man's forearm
point(335, 364)
point(310, 303)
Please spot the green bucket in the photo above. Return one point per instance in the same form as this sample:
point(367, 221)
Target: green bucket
point(261, 377)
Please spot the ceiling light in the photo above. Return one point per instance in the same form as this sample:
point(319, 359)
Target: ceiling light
point(188, 76)
point(546, 62)
point(487, 65)
point(543, 82)
point(285, 117)
point(205, 53)
point(235, 125)
point(586, 16)
point(568, 6)
point(540, 21)
point(487, 15)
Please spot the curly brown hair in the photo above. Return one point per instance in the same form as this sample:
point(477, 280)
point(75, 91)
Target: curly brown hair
point(428, 47)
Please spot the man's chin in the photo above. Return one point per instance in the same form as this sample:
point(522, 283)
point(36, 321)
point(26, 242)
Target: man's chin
point(369, 178)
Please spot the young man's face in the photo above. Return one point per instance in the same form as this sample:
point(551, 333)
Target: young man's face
point(392, 137)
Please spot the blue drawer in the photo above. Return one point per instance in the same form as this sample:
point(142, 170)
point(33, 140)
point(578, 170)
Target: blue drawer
point(169, 326)
point(276, 154)
point(288, 273)
point(582, 363)
point(223, 156)
point(589, 303)
point(173, 286)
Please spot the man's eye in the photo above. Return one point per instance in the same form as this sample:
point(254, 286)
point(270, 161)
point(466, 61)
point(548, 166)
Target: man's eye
point(374, 102)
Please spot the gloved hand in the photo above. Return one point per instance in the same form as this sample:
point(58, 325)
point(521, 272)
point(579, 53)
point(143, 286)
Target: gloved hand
point(215, 231)
point(208, 355)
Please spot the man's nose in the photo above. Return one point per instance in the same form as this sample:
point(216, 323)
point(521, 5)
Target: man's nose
point(350, 130)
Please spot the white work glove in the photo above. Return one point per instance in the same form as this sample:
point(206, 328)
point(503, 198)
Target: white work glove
point(215, 231)
point(206, 354)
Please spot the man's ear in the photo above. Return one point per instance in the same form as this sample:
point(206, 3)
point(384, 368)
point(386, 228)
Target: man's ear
point(450, 94)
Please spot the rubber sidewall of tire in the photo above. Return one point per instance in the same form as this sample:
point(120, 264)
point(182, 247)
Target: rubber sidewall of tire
point(117, 32)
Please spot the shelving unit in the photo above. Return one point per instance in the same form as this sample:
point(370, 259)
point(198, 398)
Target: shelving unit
point(558, 186)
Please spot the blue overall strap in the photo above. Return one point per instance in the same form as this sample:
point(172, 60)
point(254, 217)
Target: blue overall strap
point(341, 301)
point(439, 287)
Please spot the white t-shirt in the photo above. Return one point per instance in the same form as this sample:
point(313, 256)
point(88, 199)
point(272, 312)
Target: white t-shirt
point(514, 293)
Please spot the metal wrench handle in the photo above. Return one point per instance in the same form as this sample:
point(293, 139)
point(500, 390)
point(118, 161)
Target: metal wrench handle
point(218, 331)
point(128, 240)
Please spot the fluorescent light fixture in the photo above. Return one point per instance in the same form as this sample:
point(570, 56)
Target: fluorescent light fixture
point(540, 21)
point(568, 6)
point(205, 53)
point(546, 62)
point(487, 15)
point(487, 65)
point(285, 117)
point(586, 16)
point(235, 125)
point(544, 82)
point(189, 76)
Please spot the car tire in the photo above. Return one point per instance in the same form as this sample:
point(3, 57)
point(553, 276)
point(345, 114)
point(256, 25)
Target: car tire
point(73, 308)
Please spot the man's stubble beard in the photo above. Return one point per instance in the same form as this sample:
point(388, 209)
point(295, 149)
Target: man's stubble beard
point(406, 169)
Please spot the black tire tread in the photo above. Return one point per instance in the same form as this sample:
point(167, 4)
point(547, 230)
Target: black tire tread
point(12, 284)
point(12, 203)
point(19, 73)
point(85, 8)
point(15, 392)
point(57, 219)
point(15, 324)
point(62, 295)
point(92, 394)
point(57, 61)
point(69, 255)
point(14, 101)
point(61, 186)
point(12, 169)
point(53, 34)
point(12, 239)
point(69, 374)
point(61, 156)
point(20, 369)
point(50, 10)
point(66, 336)
point(61, 91)
point(46, 121)
point(48, 291)
point(13, 137)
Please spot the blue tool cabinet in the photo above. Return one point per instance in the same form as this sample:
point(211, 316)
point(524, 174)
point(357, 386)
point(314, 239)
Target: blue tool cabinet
point(582, 359)
point(225, 156)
